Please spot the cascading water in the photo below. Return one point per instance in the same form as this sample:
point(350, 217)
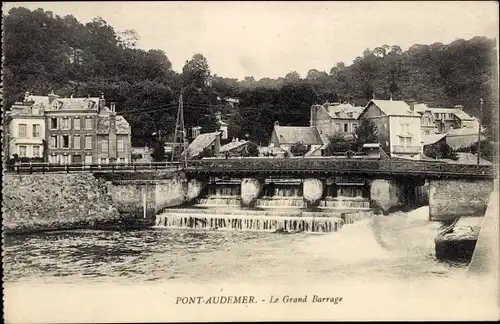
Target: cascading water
point(279, 208)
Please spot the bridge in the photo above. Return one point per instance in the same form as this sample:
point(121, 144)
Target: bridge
point(279, 166)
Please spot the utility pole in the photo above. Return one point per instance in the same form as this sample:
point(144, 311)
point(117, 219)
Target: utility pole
point(479, 130)
point(179, 128)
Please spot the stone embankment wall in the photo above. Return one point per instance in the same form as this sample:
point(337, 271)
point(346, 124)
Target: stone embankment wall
point(452, 198)
point(40, 202)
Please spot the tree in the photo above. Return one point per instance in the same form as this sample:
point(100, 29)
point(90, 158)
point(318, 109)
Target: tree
point(158, 154)
point(128, 38)
point(338, 143)
point(196, 71)
point(366, 132)
point(293, 76)
point(299, 149)
point(251, 150)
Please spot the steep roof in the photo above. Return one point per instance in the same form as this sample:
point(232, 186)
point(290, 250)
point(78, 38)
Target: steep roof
point(394, 108)
point(432, 138)
point(89, 103)
point(232, 145)
point(201, 142)
point(295, 134)
point(421, 107)
point(343, 110)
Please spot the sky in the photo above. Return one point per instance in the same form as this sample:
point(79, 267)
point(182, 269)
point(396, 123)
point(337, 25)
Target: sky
point(270, 39)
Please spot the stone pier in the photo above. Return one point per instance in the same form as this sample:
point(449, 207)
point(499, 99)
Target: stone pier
point(250, 190)
point(313, 191)
point(385, 195)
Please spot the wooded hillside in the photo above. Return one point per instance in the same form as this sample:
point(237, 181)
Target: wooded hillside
point(45, 52)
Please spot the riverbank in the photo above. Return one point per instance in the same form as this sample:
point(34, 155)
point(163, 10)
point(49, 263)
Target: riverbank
point(48, 202)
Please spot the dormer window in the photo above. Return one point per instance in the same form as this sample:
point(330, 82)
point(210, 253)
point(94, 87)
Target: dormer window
point(55, 105)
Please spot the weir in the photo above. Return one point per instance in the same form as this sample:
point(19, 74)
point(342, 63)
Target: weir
point(280, 205)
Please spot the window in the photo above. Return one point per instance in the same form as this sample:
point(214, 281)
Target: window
point(22, 130)
point(53, 159)
point(337, 127)
point(76, 142)
point(36, 131)
point(121, 160)
point(53, 141)
point(354, 127)
point(88, 159)
point(120, 145)
point(346, 126)
point(88, 123)
point(104, 145)
point(65, 141)
point(450, 116)
point(65, 159)
point(88, 142)
point(65, 123)
point(76, 123)
point(53, 123)
point(103, 161)
point(36, 150)
point(22, 151)
point(35, 111)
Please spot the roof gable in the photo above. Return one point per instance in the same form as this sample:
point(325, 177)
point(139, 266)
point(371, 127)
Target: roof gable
point(394, 108)
point(201, 142)
point(295, 134)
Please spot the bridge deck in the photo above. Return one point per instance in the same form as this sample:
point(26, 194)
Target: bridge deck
point(278, 165)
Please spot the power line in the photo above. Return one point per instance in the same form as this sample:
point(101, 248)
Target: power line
point(173, 104)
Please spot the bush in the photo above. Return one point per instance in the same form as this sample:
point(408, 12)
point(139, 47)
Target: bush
point(486, 149)
point(338, 143)
point(440, 150)
point(207, 152)
point(251, 150)
point(136, 156)
point(299, 149)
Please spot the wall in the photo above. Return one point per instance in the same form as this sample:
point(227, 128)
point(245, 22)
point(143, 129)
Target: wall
point(54, 202)
point(452, 198)
point(414, 129)
point(385, 195)
point(162, 190)
point(29, 141)
point(59, 151)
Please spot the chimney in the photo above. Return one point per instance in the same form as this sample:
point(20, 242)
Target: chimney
point(459, 107)
point(102, 102)
point(113, 108)
point(411, 103)
point(52, 96)
point(26, 95)
point(276, 123)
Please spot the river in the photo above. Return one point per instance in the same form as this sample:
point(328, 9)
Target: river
point(397, 249)
point(396, 246)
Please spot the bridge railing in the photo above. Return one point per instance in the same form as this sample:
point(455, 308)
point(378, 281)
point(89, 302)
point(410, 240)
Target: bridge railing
point(271, 165)
point(338, 165)
point(80, 167)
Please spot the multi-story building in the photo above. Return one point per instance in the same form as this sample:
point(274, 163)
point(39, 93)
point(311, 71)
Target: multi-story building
point(398, 127)
point(446, 119)
point(25, 131)
point(76, 130)
point(331, 118)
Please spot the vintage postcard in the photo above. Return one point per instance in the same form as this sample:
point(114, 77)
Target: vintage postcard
point(250, 161)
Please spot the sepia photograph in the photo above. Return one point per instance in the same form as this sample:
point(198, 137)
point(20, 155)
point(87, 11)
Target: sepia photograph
point(200, 161)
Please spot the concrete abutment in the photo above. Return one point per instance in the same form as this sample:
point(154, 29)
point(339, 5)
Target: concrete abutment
point(250, 191)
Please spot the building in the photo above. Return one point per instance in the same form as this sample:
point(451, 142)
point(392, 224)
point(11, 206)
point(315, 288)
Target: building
point(331, 118)
point(202, 142)
point(25, 125)
point(462, 137)
point(113, 137)
point(446, 119)
point(236, 148)
point(398, 127)
point(223, 126)
point(286, 136)
point(76, 130)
